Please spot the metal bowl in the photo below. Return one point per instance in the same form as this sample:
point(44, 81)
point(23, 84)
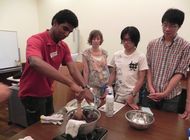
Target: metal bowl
point(139, 119)
point(92, 115)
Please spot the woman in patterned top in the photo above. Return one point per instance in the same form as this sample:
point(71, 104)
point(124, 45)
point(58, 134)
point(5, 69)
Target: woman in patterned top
point(96, 71)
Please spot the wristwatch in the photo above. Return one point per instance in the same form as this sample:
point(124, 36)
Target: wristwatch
point(133, 93)
point(86, 86)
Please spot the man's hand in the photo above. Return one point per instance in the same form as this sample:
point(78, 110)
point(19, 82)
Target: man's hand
point(88, 95)
point(151, 90)
point(130, 102)
point(78, 91)
point(186, 114)
point(156, 96)
point(79, 96)
point(85, 93)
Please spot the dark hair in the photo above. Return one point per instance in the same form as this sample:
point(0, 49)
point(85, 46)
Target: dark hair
point(174, 16)
point(93, 34)
point(133, 33)
point(65, 16)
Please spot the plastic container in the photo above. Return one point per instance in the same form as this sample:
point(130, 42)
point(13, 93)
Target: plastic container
point(109, 104)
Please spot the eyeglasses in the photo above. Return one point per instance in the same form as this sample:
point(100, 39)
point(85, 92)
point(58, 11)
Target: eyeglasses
point(170, 26)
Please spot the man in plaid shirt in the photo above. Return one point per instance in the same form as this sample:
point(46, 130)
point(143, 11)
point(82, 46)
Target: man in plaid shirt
point(168, 58)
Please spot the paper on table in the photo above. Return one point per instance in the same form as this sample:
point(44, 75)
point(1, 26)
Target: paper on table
point(12, 79)
point(117, 107)
point(26, 138)
point(146, 109)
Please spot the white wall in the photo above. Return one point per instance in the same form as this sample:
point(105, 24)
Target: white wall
point(110, 16)
point(20, 16)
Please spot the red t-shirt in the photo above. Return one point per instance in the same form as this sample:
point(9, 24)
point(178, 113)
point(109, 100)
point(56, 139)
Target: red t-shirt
point(33, 83)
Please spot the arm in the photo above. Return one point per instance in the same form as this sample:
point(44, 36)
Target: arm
point(149, 82)
point(172, 84)
point(168, 89)
point(149, 74)
point(140, 81)
point(188, 94)
point(77, 76)
point(85, 69)
point(42, 67)
point(138, 85)
point(112, 76)
point(188, 89)
point(186, 114)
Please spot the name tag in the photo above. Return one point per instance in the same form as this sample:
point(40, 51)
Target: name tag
point(53, 54)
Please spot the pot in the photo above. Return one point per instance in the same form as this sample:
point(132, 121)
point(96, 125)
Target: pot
point(91, 116)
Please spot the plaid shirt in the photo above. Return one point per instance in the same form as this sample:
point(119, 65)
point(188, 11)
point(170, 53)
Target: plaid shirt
point(165, 61)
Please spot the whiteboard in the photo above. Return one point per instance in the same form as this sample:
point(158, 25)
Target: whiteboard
point(9, 51)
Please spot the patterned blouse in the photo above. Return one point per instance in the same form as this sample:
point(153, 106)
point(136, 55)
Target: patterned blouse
point(98, 69)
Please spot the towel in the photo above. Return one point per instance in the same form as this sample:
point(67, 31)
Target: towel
point(26, 138)
point(72, 127)
point(55, 119)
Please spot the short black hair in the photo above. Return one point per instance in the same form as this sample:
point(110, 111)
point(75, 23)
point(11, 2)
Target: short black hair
point(174, 16)
point(133, 33)
point(65, 16)
point(95, 33)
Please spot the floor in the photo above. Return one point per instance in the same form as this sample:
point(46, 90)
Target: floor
point(7, 130)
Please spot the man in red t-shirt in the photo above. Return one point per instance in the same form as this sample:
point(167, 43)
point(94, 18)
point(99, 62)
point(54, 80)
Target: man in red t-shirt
point(45, 53)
